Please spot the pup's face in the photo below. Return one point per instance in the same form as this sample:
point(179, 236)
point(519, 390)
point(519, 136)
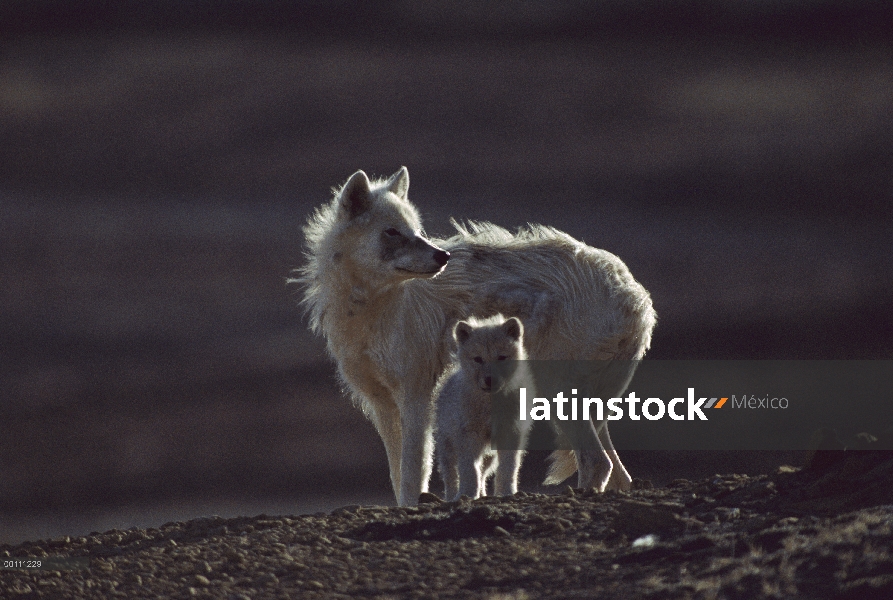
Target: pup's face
point(382, 232)
point(479, 346)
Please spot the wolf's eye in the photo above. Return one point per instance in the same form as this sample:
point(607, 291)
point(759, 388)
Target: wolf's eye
point(478, 360)
point(501, 357)
point(392, 232)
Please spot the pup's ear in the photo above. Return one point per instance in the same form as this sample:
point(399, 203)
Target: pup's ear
point(354, 199)
point(462, 332)
point(513, 328)
point(399, 183)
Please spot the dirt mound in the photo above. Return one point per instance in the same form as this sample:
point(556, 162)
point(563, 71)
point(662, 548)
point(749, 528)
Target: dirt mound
point(838, 479)
point(728, 536)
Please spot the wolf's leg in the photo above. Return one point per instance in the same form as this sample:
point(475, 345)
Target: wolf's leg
point(593, 468)
point(506, 483)
point(619, 373)
point(620, 478)
point(598, 464)
point(386, 417)
point(417, 421)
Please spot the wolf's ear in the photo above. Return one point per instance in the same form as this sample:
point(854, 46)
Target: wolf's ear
point(399, 183)
point(354, 199)
point(462, 332)
point(513, 328)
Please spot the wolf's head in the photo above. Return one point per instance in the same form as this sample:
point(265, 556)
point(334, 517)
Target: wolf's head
point(480, 343)
point(373, 229)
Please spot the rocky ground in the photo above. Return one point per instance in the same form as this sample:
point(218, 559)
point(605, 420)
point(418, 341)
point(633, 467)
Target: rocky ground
point(824, 531)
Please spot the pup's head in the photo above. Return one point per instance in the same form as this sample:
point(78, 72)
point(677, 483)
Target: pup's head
point(480, 343)
point(378, 232)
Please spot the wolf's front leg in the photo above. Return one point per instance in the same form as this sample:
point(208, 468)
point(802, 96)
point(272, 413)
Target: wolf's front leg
point(385, 415)
point(417, 422)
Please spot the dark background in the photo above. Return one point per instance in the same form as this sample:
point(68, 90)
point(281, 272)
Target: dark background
point(158, 160)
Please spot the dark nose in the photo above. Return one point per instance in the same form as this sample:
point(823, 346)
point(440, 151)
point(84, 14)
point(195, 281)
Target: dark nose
point(488, 381)
point(441, 257)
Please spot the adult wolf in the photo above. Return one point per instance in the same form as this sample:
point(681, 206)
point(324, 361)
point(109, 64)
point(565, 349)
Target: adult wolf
point(386, 298)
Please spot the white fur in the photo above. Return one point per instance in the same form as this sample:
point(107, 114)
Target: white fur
point(465, 455)
point(387, 313)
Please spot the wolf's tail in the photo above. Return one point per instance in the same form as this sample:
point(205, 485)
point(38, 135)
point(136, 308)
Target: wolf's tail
point(562, 465)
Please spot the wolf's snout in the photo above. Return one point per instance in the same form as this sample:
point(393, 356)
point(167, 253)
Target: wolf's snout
point(488, 383)
point(441, 257)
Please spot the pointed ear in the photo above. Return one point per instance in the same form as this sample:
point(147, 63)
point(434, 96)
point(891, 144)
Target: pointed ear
point(513, 328)
point(354, 198)
point(399, 183)
point(462, 332)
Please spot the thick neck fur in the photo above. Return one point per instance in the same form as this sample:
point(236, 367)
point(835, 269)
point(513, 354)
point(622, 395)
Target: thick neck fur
point(338, 291)
point(345, 304)
point(355, 296)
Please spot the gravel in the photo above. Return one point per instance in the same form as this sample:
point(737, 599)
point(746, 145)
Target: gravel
point(824, 531)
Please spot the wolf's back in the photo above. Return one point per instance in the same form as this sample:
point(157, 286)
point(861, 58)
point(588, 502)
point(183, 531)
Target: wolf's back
point(576, 301)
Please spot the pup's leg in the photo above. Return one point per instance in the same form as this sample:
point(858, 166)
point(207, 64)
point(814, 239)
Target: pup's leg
point(448, 463)
point(620, 478)
point(416, 452)
point(472, 458)
point(386, 417)
point(506, 483)
point(489, 463)
point(470, 476)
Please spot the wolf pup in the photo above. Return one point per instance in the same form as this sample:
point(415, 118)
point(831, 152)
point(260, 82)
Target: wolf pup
point(462, 441)
point(386, 298)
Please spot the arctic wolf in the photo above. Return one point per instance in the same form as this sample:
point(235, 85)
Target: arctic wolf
point(386, 297)
point(463, 425)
